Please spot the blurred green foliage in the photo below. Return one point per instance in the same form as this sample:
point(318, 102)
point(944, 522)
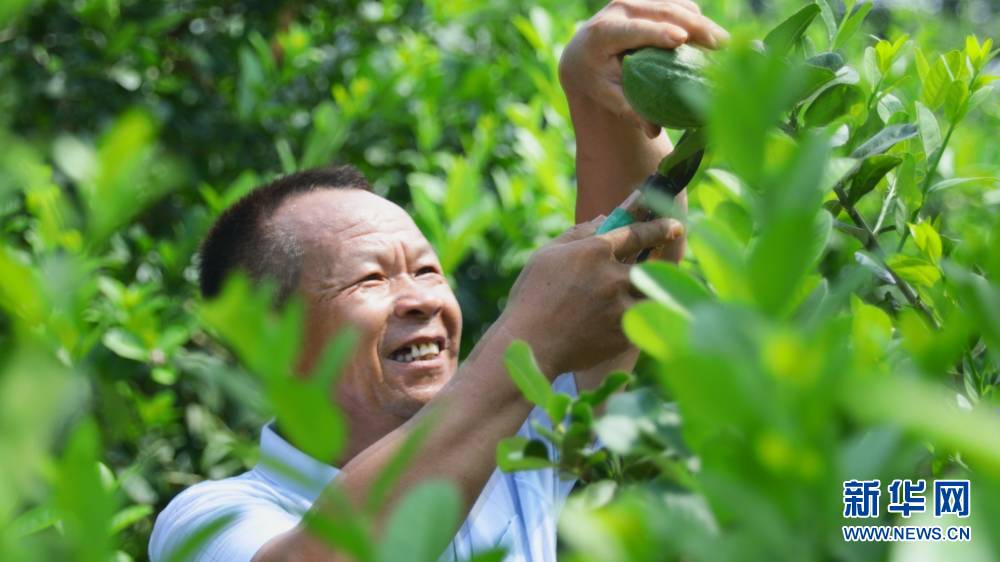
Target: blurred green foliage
point(795, 357)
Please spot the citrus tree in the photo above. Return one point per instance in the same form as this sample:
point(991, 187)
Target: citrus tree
point(834, 319)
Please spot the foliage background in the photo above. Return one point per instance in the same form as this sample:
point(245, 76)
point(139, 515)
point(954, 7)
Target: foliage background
point(127, 126)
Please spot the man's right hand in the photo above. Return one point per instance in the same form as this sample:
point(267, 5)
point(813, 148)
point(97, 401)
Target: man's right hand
point(569, 299)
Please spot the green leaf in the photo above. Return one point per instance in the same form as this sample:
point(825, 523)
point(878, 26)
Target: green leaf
point(524, 371)
point(520, 453)
point(782, 257)
point(609, 386)
point(936, 83)
point(816, 76)
point(129, 516)
point(914, 270)
point(265, 341)
point(955, 100)
point(423, 523)
point(832, 103)
point(980, 300)
point(669, 285)
point(656, 329)
point(885, 139)
point(84, 504)
point(20, 290)
point(831, 18)
point(872, 170)
point(558, 406)
point(720, 258)
point(131, 173)
point(329, 131)
point(930, 131)
point(974, 52)
point(785, 35)
point(925, 409)
point(636, 420)
point(954, 182)
point(32, 521)
point(753, 91)
point(466, 230)
point(125, 344)
point(830, 60)
point(852, 23)
point(871, 329)
point(399, 461)
point(886, 52)
point(303, 407)
point(927, 239)
point(793, 229)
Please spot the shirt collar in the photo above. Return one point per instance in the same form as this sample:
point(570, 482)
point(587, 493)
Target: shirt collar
point(291, 468)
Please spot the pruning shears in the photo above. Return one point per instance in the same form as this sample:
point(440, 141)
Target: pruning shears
point(672, 175)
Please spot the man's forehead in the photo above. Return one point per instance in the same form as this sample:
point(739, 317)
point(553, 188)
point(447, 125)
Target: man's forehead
point(347, 217)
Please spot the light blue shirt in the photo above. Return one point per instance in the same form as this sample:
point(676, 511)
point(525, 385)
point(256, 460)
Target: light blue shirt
point(517, 511)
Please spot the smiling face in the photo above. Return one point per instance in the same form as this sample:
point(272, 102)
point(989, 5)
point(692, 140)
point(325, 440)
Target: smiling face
point(366, 264)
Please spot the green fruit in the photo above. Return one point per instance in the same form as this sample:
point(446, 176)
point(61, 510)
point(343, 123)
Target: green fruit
point(659, 82)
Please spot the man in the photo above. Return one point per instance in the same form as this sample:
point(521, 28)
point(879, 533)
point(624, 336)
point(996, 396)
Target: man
point(358, 260)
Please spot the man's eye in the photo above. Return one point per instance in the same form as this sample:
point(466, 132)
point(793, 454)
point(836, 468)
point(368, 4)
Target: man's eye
point(371, 277)
point(426, 269)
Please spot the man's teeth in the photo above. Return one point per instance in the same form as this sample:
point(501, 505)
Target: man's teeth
point(427, 350)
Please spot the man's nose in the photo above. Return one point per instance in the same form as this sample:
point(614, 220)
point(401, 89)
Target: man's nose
point(417, 301)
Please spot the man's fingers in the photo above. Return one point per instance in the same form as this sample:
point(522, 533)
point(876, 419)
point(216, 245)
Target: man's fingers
point(630, 240)
point(634, 33)
point(698, 28)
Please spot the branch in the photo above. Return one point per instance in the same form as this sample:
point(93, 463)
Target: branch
point(872, 244)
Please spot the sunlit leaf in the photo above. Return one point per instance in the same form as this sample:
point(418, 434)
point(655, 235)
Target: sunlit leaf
point(927, 239)
point(669, 285)
point(422, 524)
point(720, 258)
point(914, 270)
point(655, 329)
point(936, 82)
point(525, 373)
point(955, 100)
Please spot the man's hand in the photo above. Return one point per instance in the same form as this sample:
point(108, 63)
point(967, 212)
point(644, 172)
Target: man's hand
point(590, 66)
point(569, 300)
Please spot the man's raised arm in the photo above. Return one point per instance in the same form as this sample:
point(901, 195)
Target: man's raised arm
point(615, 148)
point(567, 303)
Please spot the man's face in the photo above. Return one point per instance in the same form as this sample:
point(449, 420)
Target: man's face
point(366, 264)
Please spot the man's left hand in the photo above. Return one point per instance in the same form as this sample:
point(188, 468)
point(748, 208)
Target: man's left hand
point(591, 64)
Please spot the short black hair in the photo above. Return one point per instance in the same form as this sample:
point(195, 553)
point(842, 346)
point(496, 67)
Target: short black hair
point(243, 239)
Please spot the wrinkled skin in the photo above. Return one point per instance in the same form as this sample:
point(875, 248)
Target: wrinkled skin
point(366, 264)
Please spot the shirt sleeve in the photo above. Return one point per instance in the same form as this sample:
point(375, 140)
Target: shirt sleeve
point(250, 513)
